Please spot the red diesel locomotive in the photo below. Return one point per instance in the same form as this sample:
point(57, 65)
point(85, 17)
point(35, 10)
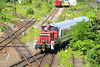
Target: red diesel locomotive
point(47, 36)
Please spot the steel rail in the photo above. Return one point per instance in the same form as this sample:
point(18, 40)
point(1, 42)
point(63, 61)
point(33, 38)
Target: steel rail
point(50, 65)
point(14, 46)
point(23, 45)
point(16, 22)
point(23, 60)
point(17, 30)
point(15, 36)
point(18, 15)
point(65, 14)
point(42, 59)
point(17, 48)
point(33, 61)
point(48, 16)
point(54, 13)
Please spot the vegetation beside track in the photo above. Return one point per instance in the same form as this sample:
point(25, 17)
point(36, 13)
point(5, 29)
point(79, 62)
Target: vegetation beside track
point(81, 9)
point(85, 36)
point(85, 39)
point(28, 8)
point(6, 18)
point(41, 8)
point(94, 1)
point(65, 57)
point(32, 34)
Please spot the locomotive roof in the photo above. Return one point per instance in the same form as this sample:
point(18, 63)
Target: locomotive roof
point(70, 22)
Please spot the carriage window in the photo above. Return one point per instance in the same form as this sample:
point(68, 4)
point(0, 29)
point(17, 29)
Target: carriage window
point(52, 28)
point(66, 31)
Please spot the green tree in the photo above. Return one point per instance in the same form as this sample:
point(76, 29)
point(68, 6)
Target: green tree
point(29, 1)
point(1, 5)
point(3, 28)
point(93, 56)
point(12, 1)
point(84, 46)
point(50, 1)
point(6, 1)
point(38, 5)
point(80, 31)
point(84, 36)
point(30, 11)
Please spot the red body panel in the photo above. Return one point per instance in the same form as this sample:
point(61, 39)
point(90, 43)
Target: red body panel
point(57, 3)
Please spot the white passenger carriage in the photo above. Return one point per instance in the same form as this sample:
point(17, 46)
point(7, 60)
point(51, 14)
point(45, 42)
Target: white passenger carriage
point(64, 27)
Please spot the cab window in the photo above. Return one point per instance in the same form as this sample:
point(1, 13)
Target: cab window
point(57, 2)
point(44, 28)
point(52, 28)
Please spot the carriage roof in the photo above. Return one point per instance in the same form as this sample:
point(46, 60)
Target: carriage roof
point(68, 23)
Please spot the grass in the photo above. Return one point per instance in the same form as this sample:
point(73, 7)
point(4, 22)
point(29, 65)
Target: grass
point(30, 36)
point(46, 65)
point(86, 12)
point(6, 18)
point(64, 57)
point(80, 5)
point(39, 12)
point(94, 1)
point(44, 9)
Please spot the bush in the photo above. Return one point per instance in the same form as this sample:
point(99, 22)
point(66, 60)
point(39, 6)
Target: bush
point(4, 18)
point(84, 46)
point(29, 1)
point(2, 29)
point(38, 5)
point(38, 19)
point(64, 58)
point(61, 19)
point(93, 56)
point(30, 11)
point(50, 22)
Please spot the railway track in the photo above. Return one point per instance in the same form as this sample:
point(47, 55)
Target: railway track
point(65, 14)
point(18, 23)
point(92, 4)
point(51, 16)
point(65, 9)
point(29, 58)
point(23, 55)
point(47, 59)
point(42, 58)
point(19, 16)
point(18, 32)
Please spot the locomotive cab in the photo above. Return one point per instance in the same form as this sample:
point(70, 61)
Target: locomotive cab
point(47, 38)
point(66, 3)
point(58, 3)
